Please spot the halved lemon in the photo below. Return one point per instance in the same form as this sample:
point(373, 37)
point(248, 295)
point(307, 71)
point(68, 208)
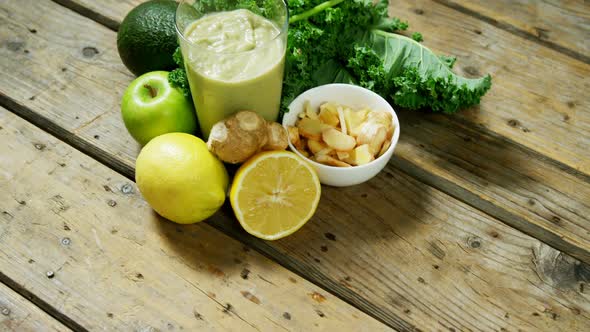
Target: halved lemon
point(275, 193)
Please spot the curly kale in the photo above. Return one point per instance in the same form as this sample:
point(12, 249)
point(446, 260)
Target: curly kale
point(417, 36)
point(359, 45)
point(355, 41)
point(177, 77)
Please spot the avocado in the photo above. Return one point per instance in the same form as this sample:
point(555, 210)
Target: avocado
point(147, 37)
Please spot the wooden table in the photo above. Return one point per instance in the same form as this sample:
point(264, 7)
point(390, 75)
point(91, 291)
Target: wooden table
point(480, 222)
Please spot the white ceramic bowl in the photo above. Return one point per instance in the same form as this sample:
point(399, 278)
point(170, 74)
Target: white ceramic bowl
point(355, 97)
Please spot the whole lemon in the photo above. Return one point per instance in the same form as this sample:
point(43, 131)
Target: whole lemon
point(180, 179)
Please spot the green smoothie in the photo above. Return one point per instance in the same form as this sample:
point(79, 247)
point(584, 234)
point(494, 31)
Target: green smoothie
point(234, 61)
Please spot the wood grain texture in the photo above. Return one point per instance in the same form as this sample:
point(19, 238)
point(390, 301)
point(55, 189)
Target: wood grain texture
point(564, 25)
point(464, 155)
point(79, 236)
point(106, 12)
point(401, 250)
point(18, 314)
point(512, 183)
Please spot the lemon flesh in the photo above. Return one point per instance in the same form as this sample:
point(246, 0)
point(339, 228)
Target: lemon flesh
point(274, 194)
point(180, 179)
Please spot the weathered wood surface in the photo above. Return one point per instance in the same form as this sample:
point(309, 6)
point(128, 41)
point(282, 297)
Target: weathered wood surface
point(78, 236)
point(18, 314)
point(505, 180)
point(416, 252)
point(474, 164)
point(563, 24)
point(106, 12)
point(384, 269)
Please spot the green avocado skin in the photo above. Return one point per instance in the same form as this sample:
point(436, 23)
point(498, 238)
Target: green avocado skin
point(147, 37)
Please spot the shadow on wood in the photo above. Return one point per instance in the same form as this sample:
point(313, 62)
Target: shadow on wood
point(189, 246)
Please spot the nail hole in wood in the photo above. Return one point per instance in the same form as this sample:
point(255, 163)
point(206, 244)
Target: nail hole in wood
point(89, 51)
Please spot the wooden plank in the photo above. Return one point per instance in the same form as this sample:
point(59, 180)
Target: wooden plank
point(505, 180)
point(78, 236)
point(414, 248)
point(557, 216)
point(563, 25)
point(109, 13)
point(18, 314)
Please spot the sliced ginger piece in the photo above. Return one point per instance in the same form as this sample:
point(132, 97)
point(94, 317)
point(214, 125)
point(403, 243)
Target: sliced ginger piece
point(384, 147)
point(310, 128)
point(301, 144)
point(327, 151)
point(374, 134)
point(304, 153)
point(309, 111)
point(293, 135)
point(342, 121)
point(342, 155)
point(354, 120)
point(361, 155)
point(315, 146)
point(337, 140)
point(329, 116)
point(383, 118)
point(330, 161)
point(328, 106)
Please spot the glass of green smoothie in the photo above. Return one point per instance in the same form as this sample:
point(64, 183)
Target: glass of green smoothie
point(234, 55)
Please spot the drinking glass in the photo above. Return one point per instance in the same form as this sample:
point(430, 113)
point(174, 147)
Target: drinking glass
point(233, 63)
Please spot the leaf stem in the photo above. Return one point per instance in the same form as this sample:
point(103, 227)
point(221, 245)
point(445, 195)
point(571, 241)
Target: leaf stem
point(315, 10)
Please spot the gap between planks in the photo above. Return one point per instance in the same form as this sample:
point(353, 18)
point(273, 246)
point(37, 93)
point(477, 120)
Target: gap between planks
point(514, 30)
point(493, 210)
point(314, 276)
point(89, 13)
point(528, 151)
point(41, 304)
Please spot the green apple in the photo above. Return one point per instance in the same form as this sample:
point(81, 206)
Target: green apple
point(152, 107)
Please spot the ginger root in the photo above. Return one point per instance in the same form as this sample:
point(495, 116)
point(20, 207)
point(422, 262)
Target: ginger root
point(238, 137)
point(277, 137)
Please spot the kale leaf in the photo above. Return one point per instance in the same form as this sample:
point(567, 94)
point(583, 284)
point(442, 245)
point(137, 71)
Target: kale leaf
point(361, 47)
point(177, 77)
point(417, 36)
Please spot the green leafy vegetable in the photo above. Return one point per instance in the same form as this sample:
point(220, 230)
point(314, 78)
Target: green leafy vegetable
point(417, 36)
point(448, 60)
point(422, 80)
point(354, 41)
point(177, 77)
